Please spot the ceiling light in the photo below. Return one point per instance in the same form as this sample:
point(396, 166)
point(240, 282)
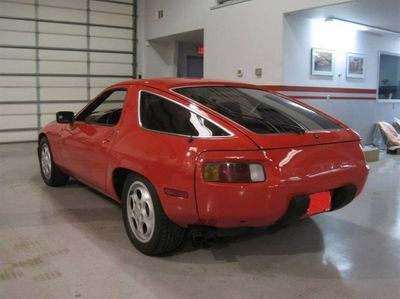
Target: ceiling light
point(359, 26)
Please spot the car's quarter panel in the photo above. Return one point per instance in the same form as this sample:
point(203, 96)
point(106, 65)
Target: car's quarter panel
point(167, 160)
point(289, 171)
point(237, 204)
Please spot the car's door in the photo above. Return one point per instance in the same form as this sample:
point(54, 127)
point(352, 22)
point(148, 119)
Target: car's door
point(86, 143)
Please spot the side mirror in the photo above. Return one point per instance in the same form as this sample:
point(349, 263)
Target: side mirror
point(65, 117)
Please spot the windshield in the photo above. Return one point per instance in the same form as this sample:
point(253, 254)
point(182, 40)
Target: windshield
point(259, 111)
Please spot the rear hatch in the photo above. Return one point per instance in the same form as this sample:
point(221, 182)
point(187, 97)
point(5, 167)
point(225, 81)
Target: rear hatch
point(269, 119)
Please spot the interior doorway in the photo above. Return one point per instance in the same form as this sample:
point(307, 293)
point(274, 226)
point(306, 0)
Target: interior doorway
point(194, 66)
point(182, 54)
point(190, 54)
point(190, 61)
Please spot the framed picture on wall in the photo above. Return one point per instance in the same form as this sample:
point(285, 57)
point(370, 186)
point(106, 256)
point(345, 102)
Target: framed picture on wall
point(355, 66)
point(322, 62)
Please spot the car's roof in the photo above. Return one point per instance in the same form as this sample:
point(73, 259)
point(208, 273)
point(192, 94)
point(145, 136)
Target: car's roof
point(169, 83)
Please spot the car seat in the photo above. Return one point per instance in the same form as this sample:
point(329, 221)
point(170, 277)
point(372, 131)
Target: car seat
point(393, 138)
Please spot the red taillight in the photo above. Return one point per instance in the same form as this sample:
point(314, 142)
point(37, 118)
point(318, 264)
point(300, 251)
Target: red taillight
point(233, 172)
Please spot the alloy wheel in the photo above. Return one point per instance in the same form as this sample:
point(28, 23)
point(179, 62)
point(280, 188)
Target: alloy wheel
point(45, 160)
point(140, 211)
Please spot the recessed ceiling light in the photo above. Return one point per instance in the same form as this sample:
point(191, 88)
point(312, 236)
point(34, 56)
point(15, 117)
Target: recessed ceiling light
point(360, 27)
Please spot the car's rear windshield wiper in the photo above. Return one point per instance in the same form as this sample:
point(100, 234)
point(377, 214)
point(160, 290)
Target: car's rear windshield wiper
point(274, 126)
point(260, 120)
point(297, 128)
point(232, 113)
point(294, 128)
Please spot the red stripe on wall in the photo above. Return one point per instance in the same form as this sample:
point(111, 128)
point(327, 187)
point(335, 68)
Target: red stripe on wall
point(333, 98)
point(319, 89)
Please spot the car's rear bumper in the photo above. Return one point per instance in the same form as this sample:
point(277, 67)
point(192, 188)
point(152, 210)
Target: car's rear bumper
point(299, 205)
point(284, 196)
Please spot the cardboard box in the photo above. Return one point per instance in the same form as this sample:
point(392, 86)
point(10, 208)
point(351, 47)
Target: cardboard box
point(371, 153)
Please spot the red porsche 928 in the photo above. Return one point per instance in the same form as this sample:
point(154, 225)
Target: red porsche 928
point(203, 155)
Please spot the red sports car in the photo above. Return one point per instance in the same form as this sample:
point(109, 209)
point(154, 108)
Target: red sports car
point(204, 155)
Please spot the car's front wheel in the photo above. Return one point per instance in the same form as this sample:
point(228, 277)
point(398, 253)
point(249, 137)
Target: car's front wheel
point(146, 224)
point(51, 174)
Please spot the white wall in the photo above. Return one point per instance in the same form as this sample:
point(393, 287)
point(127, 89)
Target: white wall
point(300, 35)
point(179, 16)
point(247, 35)
point(160, 59)
point(257, 34)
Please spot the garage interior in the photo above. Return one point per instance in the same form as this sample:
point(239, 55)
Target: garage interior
point(69, 242)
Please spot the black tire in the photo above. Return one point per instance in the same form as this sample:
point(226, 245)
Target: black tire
point(165, 236)
point(52, 176)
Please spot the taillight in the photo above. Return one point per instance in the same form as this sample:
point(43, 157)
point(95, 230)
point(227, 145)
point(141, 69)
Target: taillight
point(233, 172)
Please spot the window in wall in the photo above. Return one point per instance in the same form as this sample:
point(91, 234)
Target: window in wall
point(227, 2)
point(159, 114)
point(389, 77)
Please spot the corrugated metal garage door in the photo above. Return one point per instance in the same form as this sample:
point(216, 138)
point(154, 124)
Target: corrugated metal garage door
point(56, 55)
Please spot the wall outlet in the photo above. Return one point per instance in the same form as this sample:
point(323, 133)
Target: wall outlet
point(239, 73)
point(258, 72)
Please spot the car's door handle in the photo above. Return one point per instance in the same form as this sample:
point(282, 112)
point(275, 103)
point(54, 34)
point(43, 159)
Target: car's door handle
point(108, 137)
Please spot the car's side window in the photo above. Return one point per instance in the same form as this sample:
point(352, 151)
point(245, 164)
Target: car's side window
point(106, 110)
point(160, 114)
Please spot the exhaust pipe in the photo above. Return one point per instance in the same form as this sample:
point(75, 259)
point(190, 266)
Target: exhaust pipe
point(210, 238)
point(197, 239)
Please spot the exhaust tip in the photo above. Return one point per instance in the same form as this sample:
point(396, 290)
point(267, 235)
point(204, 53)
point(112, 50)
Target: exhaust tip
point(197, 238)
point(210, 238)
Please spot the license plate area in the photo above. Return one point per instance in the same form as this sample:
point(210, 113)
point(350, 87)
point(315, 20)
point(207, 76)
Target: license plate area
point(319, 203)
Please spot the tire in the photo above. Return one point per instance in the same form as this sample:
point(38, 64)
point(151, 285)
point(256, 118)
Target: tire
point(146, 224)
point(51, 174)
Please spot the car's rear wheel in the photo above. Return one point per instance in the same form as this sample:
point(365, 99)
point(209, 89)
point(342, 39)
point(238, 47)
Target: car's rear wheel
point(146, 224)
point(51, 174)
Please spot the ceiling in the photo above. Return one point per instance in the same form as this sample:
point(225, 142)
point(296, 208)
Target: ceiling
point(384, 14)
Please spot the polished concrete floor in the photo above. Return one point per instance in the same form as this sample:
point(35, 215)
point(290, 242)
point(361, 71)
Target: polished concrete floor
point(69, 242)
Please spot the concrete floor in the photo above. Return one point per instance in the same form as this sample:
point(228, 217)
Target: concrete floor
point(69, 242)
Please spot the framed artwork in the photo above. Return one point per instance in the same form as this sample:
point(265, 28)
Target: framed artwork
point(322, 62)
point(355, 66)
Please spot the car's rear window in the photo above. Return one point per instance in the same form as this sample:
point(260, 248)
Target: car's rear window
point(259, 111)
